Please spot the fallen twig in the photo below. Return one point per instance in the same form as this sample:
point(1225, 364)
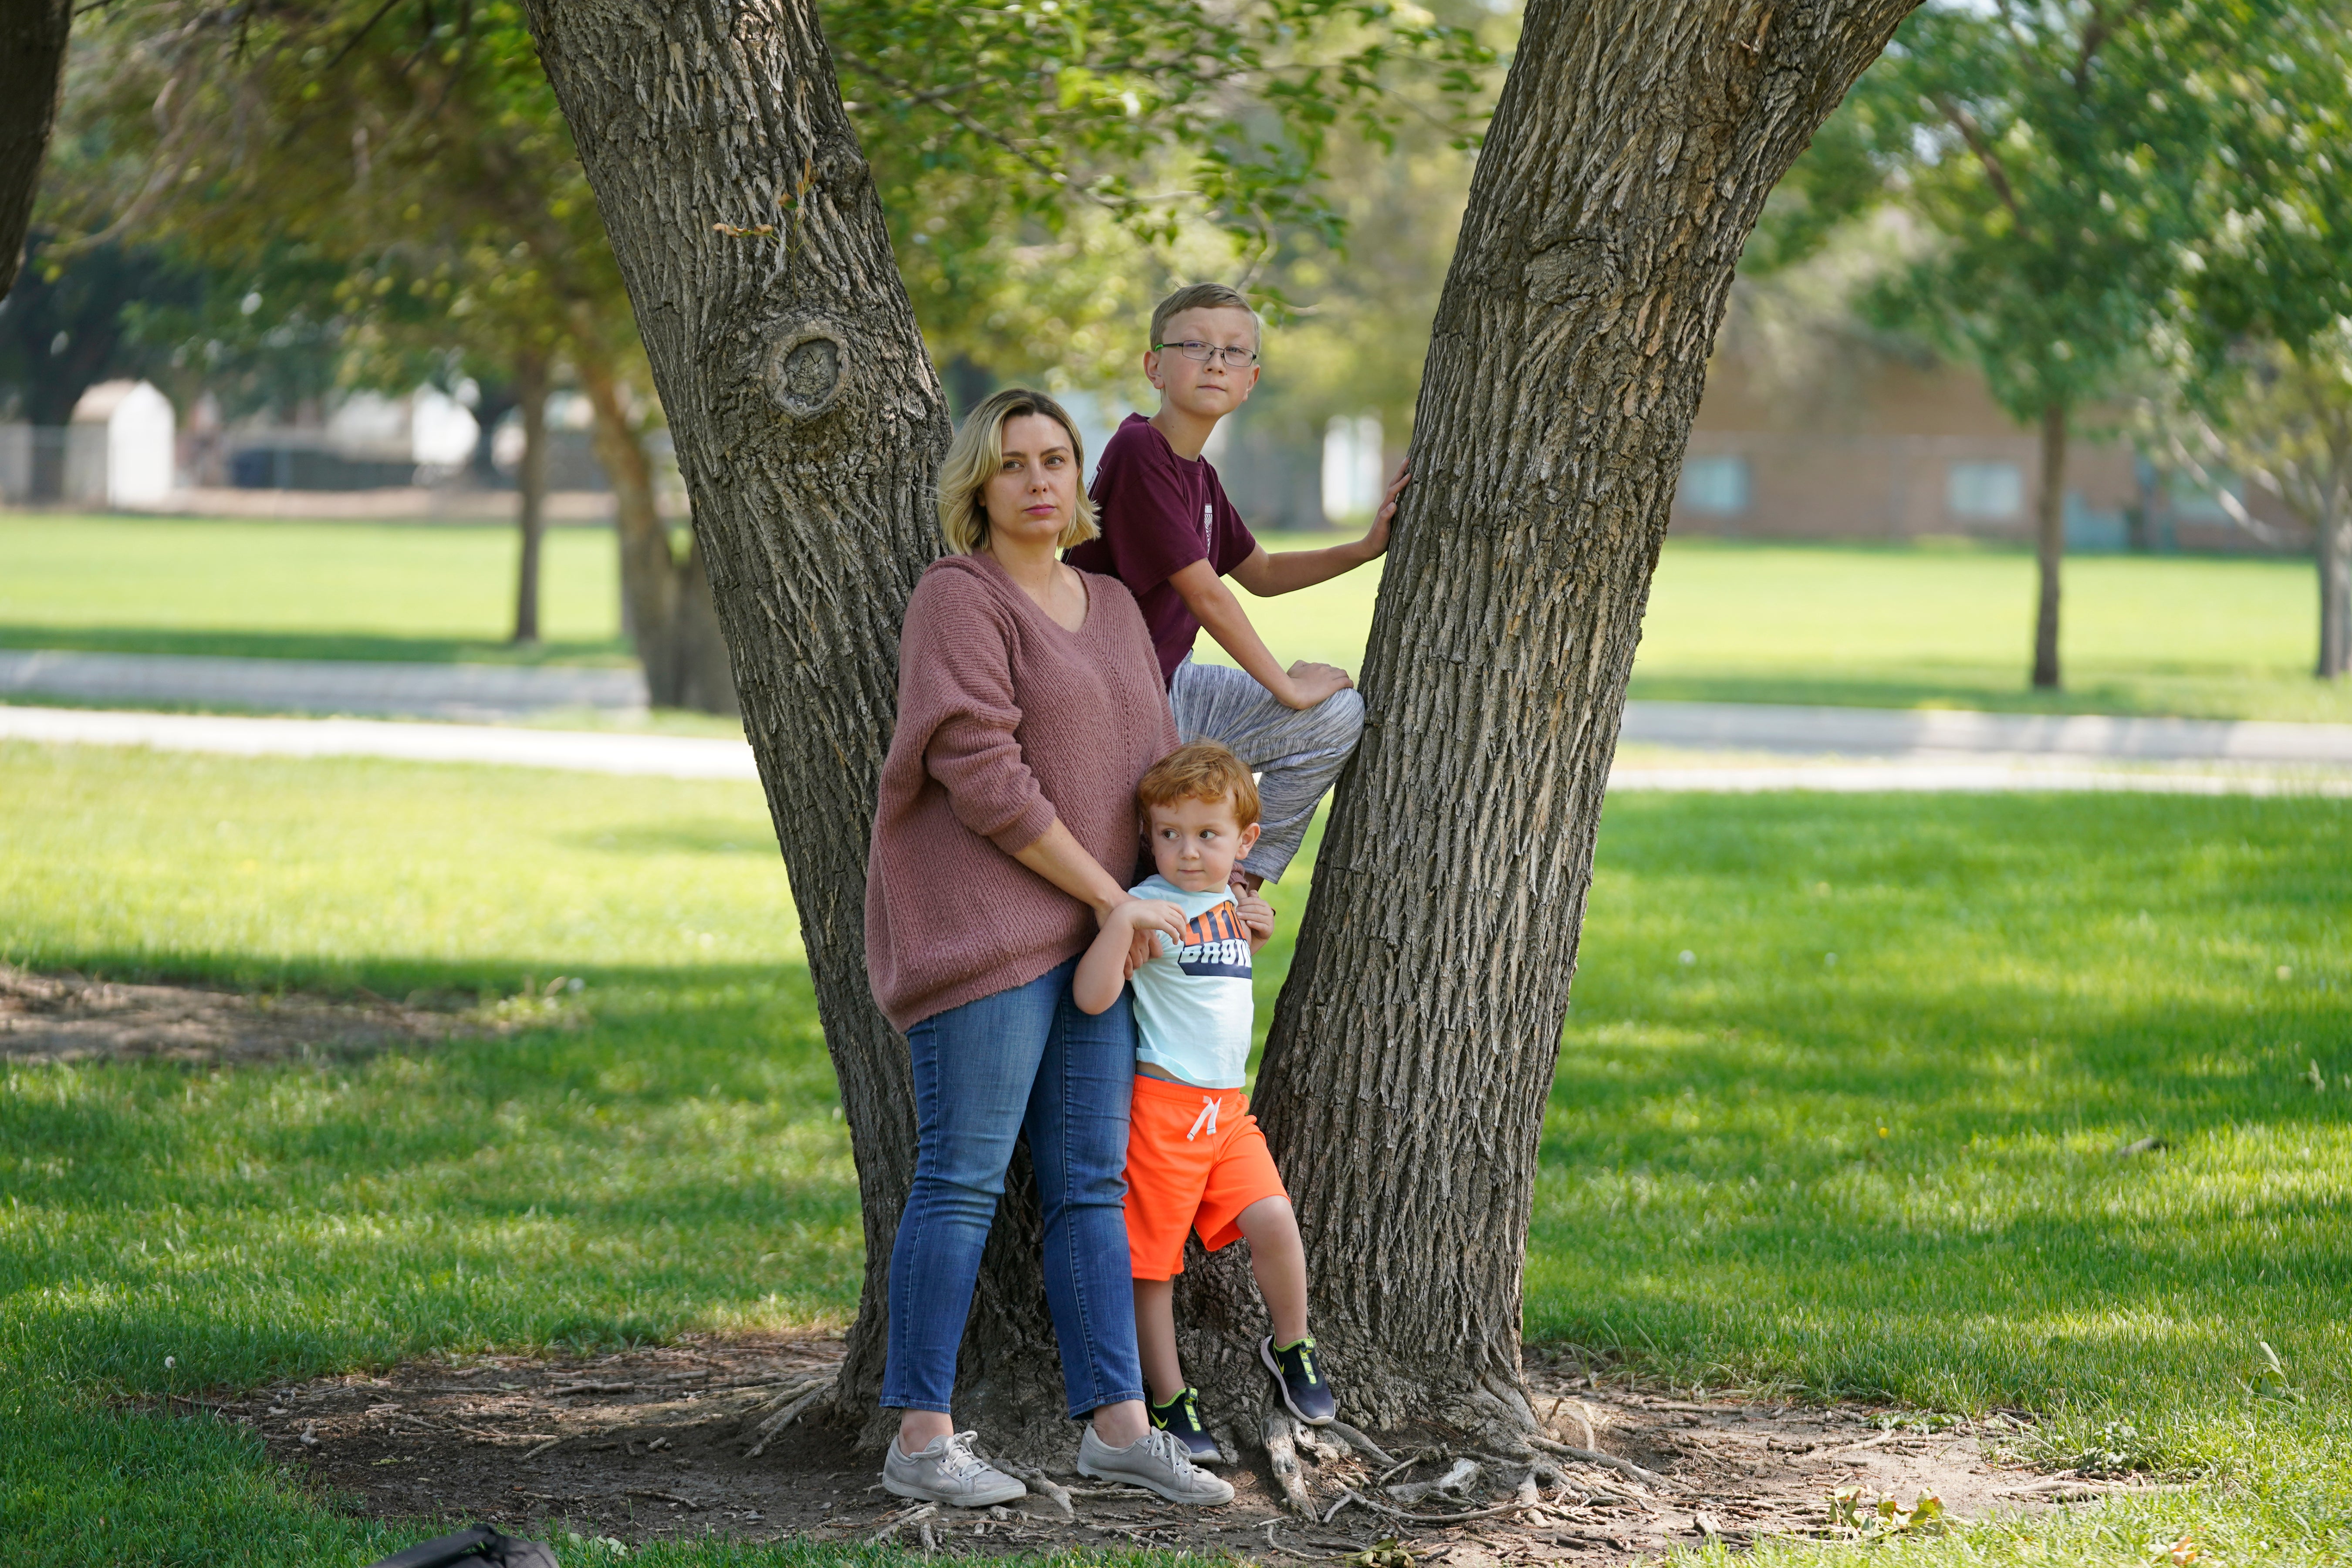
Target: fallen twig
point(1043, 1485)
point(1595, 1457)
point(570, 1388)
point(542, 1448)
point(659, 1496)
point(1433, 1519)
point(903, 1521)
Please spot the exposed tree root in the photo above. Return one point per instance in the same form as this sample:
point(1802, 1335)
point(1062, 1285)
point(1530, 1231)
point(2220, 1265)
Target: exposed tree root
point(1595, 1457)
point(1281, 1449)
point(1041, 1483)
point(800, 1395)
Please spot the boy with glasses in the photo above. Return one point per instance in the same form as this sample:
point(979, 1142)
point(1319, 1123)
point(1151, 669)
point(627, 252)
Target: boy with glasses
point(1170, 535)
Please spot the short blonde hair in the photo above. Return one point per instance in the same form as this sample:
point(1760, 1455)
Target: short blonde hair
point(1203, 769)
point(1203, 297)
point(978, 452)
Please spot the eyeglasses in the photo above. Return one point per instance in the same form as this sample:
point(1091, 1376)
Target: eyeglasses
point(1234, 357)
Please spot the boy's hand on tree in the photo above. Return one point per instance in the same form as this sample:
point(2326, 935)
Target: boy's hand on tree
point(1376, 538)
point(1311, 683)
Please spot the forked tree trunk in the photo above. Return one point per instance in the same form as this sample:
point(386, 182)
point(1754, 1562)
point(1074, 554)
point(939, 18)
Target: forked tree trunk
point(1634, 148)
point(530, 489)
point(31, 66)
point(2049, 546)
point(671, 618)
point(1413, 1048)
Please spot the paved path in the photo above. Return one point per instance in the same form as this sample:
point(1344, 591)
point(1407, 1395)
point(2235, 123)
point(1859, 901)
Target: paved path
point(683, 756)
point(321, 686)
point(486, 691)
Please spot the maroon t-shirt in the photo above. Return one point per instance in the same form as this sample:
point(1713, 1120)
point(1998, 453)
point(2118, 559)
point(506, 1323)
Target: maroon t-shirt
point(1159, 513)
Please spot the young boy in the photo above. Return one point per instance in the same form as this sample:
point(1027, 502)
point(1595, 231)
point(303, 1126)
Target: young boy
point(1170, 535)
point(1195, 1158)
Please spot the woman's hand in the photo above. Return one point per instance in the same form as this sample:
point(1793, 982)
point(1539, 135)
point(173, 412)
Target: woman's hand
point(1123, 939)
point(1143, 920)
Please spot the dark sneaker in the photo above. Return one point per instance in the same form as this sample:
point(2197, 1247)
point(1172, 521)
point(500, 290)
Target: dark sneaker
point(1304, 1392)
point(1181, 1415)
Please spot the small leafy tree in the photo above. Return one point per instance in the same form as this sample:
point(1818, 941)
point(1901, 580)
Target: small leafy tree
point(2055, 145)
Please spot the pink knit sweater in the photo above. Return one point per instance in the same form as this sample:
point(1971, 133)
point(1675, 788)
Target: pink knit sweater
point(1006, 721)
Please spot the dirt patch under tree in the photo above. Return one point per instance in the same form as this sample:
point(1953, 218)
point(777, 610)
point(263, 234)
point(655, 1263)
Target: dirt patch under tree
point(666, 1444)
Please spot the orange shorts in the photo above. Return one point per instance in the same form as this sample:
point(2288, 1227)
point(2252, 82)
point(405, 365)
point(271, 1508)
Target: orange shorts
point(1191, 1167)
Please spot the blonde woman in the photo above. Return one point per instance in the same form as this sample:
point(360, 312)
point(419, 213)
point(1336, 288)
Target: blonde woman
point(1029, 705)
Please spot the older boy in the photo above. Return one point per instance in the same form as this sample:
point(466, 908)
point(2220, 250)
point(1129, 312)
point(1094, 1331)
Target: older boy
point(1195, 1158)
point(1170, 535)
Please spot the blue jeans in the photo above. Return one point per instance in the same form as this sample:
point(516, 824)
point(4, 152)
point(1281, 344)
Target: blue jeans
point(1023, 1060)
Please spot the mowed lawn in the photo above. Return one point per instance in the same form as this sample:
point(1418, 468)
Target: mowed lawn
point(1892, 1175)
point(301, 590)
point(1871, 626)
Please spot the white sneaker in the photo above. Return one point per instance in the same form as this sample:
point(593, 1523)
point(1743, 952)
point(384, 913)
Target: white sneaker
point(947, 1471)
point(1156, 1462)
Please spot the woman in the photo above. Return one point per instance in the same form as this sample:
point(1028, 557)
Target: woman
point(1029, 705)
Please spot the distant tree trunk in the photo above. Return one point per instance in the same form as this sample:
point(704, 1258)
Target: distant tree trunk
point(531, 488)
point(669, 599)
point(1413, 1051)
point(2049, 545)
point(33, 37)
point(2332, 543)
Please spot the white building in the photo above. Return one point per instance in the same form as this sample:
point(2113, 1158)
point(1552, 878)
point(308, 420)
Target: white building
point(119, 450)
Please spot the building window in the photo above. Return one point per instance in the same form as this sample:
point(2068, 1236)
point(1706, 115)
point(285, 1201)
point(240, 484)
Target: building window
point(1984, 492)
point(1714, 484)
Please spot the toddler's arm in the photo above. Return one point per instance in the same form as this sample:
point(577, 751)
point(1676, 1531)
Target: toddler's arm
point(1102, 973)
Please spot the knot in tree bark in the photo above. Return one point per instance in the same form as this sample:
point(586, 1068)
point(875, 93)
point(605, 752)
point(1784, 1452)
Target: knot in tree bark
point(807, 369)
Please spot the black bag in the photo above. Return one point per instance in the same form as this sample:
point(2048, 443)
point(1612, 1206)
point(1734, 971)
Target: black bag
point(480, 1544)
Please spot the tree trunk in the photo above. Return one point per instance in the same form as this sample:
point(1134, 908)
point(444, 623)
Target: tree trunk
point(31, 66)
point(531, 488)
point(1634, 148)
point(2049, 545)
point(2332, 543)
point(1413, 1051)
point(808, 424)
point(669, 601)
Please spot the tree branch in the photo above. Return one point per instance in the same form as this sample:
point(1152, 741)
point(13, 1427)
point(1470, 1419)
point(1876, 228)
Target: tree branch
point(1973, 134)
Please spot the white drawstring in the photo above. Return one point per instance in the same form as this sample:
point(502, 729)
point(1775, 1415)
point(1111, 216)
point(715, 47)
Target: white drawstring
point(1204, 1122)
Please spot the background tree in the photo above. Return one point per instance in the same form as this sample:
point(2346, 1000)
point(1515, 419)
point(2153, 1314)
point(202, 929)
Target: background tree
point(2262, 366)
point(1603, 225)
point(2051, 145)
point(33, 36)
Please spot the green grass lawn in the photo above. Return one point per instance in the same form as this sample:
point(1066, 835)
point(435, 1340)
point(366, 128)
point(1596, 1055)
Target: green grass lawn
point(301, 590)
point(1878, 628)
point(1727, 622)
point(1892, 1175)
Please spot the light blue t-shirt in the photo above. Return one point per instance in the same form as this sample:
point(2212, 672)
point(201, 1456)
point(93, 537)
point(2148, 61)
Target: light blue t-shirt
point(1193, 1004)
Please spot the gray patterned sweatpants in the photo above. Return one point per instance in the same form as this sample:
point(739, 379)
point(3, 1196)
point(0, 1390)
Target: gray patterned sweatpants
point(1295, 754)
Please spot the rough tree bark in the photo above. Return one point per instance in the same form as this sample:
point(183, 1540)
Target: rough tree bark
point(1631, 154)
point(1414, 1048)
point(2049, 545)
point(531, 488)
point(32, 66)
point(671, 618)
point(808, 424)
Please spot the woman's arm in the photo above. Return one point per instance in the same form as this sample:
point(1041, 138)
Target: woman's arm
point(1057, 855)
